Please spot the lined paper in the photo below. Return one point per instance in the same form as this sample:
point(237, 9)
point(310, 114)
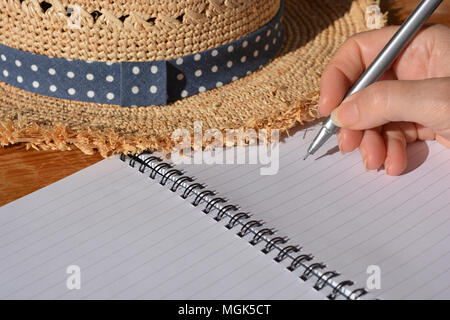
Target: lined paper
point(131, 239)
point(352, 219)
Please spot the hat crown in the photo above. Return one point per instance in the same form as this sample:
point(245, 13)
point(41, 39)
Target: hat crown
point(129, 30)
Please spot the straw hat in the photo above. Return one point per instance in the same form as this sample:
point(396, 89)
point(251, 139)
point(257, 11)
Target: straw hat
point(123, 75)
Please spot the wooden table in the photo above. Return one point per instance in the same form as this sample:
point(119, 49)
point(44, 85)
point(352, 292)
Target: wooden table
point(22, 171)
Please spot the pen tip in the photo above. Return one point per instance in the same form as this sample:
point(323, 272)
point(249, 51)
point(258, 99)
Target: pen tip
point(306, 156)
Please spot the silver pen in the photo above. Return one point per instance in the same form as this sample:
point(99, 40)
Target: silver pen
point(382, 62)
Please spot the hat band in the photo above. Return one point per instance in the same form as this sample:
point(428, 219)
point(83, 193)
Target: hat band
point(141, 83)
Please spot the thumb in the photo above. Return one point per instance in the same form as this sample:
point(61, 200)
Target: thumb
point(426, 102)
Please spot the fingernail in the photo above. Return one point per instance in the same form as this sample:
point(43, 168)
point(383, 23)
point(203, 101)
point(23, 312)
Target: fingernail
point(340, 138)
point(346, 114)
point(320, 100)
point(321, 103)
point(387, 165)
point(365, 159)
point(365, 165)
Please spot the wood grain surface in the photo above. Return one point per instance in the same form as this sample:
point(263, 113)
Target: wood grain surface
point(399, 10)
point(22, 171)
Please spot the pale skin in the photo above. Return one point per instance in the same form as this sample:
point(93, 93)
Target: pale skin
point(410, 102)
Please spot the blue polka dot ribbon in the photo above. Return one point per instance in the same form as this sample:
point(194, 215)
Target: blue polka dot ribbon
point(141, 83)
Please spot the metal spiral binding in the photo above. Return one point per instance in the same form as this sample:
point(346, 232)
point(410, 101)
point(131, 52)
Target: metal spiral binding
point(325, 278)
point(272, 243)
point(285, 251)
point(257, 237)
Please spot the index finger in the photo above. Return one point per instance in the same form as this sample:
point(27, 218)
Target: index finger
point(350, 61)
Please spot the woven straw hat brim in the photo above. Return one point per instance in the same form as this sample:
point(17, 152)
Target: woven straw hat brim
point(277, 96)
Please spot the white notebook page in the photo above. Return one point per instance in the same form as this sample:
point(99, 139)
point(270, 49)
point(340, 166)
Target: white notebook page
point(133, 239)
point(351, 219)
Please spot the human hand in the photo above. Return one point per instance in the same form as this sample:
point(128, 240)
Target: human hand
point(411, 101)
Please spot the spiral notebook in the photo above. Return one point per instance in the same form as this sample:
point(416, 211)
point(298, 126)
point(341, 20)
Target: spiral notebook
point(138, 227)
